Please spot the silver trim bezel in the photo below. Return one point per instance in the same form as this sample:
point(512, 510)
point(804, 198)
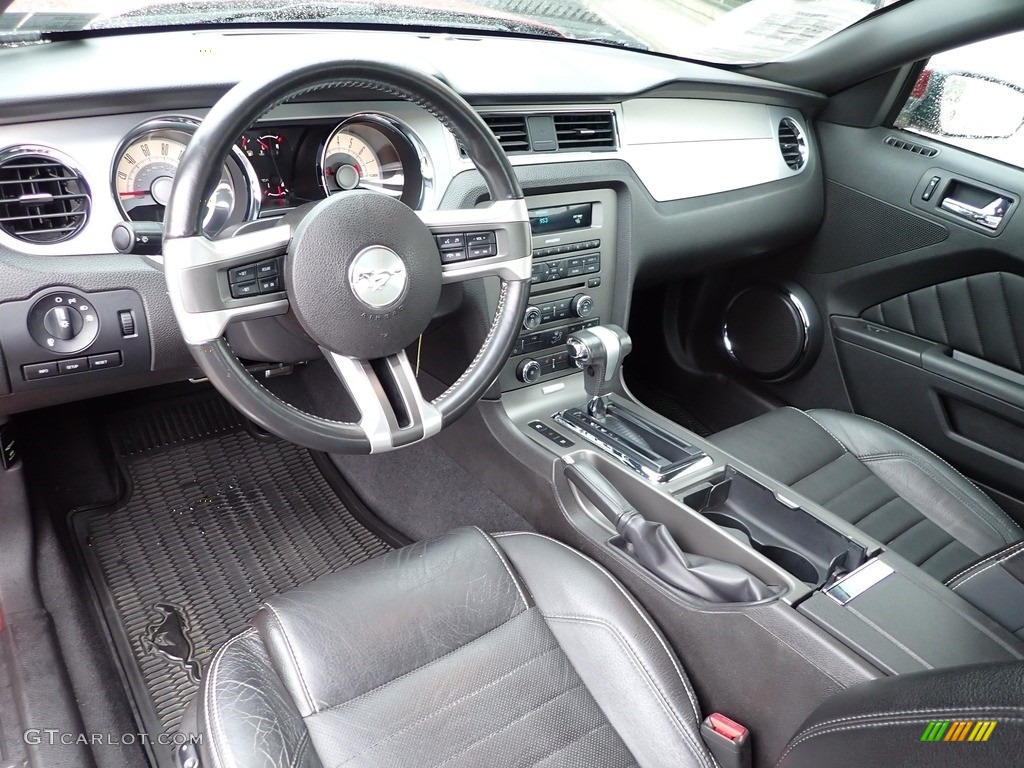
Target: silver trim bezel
point(186, 124)
point(403, 130)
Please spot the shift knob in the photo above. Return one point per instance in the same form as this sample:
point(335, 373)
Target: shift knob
point(599, 351)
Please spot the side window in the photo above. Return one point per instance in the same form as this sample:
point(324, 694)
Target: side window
point(973, 97)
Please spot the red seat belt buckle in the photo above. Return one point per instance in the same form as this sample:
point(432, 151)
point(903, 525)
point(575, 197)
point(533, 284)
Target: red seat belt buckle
point(728, 741)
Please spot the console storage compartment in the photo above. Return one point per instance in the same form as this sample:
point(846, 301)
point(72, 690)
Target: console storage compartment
point(694, 533)
point(788, 536)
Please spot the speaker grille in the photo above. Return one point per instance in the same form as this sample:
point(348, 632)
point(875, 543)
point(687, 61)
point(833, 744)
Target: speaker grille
point(764, 332)
point(859, 229)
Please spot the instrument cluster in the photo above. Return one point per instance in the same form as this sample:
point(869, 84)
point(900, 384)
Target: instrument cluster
point(272, 168)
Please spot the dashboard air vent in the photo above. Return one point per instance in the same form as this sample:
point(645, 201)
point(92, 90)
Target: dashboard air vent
point(917, 149)
point(510, 130)
point(520, 132)
point(43, 199)
point(584, 130)
point(792, 143)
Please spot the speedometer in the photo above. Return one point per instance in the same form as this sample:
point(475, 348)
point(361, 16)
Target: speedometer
point(144, 170)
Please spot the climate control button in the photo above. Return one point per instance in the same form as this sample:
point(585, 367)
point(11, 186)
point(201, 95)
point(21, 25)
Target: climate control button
point(582, 305)
point(531, 318)
point(529, 371)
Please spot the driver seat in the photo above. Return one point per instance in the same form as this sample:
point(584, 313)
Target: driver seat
point(469, 650)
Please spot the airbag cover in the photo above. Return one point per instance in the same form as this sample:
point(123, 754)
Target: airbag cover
point(363, 274)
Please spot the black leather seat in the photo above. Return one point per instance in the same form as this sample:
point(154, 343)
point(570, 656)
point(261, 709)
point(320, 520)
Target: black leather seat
point(466, 650)
point(516, 650)
point(892, 488)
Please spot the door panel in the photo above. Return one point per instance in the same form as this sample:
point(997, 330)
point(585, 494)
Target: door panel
point(925, 312)
point(974, 315)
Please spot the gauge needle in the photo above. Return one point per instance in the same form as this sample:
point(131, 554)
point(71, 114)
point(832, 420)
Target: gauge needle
point(136, 193)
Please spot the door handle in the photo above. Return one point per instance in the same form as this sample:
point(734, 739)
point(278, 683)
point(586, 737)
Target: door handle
point(991, 216)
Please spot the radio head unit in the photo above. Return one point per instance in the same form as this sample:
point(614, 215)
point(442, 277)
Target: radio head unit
point(561, 218)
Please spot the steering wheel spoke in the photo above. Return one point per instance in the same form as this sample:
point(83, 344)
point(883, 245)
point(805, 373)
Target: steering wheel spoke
point(392, 409)
point(200, 285)
point(482, 242)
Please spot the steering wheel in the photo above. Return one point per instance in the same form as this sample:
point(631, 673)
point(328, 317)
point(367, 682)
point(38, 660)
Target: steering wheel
point(362, 272)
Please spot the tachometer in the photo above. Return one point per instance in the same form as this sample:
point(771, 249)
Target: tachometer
point(349, 162)
point(144, 169)
point(373, 152)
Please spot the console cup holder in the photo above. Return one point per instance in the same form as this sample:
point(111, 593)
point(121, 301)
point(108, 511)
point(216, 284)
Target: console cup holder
point(790, 537)
point(790, 561)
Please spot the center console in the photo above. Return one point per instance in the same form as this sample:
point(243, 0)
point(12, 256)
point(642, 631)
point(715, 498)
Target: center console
point(574, 239)
point(676, 509)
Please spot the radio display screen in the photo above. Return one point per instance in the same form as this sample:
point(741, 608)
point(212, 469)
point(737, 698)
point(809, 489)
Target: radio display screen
point(561, 218)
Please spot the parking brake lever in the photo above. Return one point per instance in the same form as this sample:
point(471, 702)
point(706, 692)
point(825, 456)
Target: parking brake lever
point(653, 547)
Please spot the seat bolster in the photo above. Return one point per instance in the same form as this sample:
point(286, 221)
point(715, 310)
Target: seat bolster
point(329, 642)
point(924, 480)
point(883, 722)
point(784, 444)
point(615, 648)
point(995, 585)
point(246, 714)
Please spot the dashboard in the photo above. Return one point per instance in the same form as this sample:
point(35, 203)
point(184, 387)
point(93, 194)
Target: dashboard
point(654, 168)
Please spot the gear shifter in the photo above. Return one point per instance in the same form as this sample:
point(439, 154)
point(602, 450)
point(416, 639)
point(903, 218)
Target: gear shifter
point(612, 426)
point(599, 351)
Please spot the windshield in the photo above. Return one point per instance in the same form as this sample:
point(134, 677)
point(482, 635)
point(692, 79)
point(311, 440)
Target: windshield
point(721, 31)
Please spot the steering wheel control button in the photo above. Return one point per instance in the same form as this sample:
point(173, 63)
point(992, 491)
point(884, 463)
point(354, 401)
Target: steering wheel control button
point(242, 274)
point(451, 242)
point(483, 251)
point(270, 284)
point(264, 275)
point(268, 268)
point(106, 360)
point(363, 274)
point(63, 322)
point(480, 238)
point(35, 371)
point(244, 290)
point(74, 365)
point(451, 257)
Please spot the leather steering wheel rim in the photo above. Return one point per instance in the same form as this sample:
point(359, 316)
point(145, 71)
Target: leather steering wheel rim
point(188, 255)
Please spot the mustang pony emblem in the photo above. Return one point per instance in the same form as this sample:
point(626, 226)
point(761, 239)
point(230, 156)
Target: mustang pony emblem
point(168, 636)
point(376, 279)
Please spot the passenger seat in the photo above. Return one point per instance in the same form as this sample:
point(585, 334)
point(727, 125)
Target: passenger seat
point(892, 488)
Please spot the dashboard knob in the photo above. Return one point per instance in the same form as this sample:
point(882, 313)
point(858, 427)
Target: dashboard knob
point(582, 305)
point(529, 372)
point(63, 323)
point(531, 318)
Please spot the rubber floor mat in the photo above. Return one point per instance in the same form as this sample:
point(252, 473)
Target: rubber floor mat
point(215, 521)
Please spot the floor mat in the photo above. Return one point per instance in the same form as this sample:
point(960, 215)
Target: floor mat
point(215, 522)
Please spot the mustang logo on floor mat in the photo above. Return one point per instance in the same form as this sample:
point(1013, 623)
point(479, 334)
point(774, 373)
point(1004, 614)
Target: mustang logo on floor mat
point(168, 635)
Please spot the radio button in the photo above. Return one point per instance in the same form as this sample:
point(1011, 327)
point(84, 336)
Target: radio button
point(451, 242)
